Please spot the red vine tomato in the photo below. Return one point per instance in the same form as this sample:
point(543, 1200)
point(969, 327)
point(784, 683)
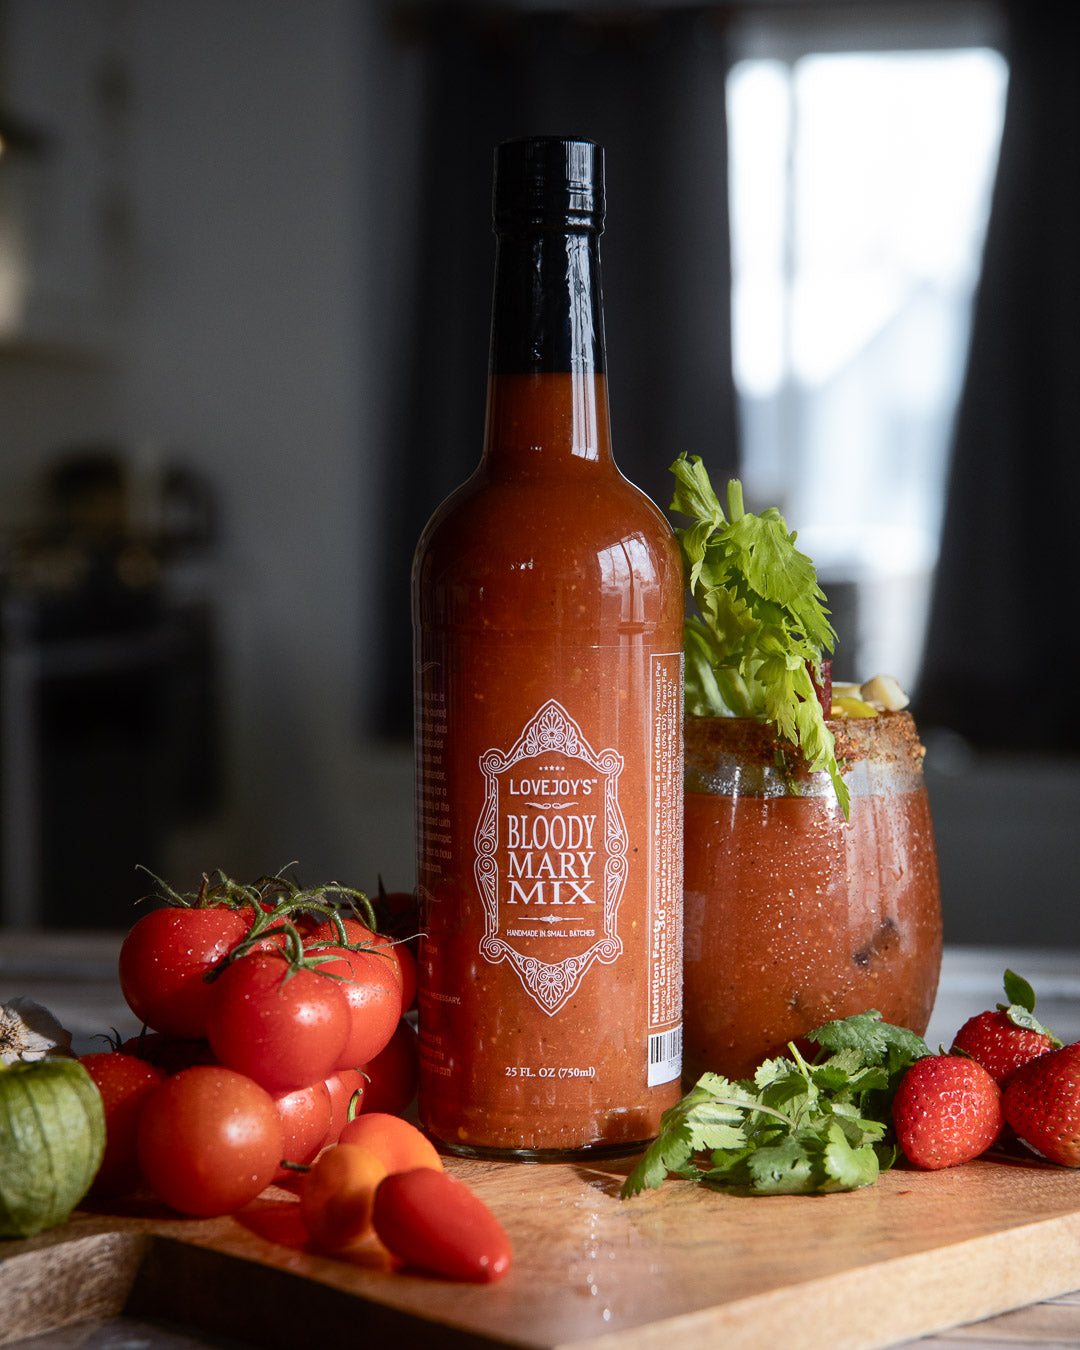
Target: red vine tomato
point(390, 1078)
point(284, 1026)
point(125, 1084)
point(344, 1086)
point(209, 1140)
point(373, 993)
point(407, 961)
point(358, 934)
point(163, 961)
point(305, 1123)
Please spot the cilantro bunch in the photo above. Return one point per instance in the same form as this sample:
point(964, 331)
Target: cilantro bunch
point(796, 1127)
point(762, 627)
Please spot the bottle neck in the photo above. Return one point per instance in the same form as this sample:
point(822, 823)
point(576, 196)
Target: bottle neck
point(547, 312)
point(547, 395)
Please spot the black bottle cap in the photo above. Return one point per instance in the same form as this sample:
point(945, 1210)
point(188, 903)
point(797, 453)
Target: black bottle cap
point(548, 181)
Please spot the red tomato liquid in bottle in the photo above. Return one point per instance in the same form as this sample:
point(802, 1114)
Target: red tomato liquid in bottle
point(548, 605)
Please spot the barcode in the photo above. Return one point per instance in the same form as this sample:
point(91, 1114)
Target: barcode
point(665, 1056)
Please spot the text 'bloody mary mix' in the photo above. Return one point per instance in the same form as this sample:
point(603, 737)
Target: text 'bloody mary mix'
point(548, 605)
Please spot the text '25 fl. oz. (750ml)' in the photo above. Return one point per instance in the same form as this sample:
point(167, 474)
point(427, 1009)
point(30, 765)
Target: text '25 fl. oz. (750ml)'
point(548, 607)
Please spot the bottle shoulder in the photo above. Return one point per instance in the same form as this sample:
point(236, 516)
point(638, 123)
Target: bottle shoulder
point(507, 551)
point(489, 520)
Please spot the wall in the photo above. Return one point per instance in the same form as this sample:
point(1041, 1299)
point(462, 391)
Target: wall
point(237, 311)
point(239, 332)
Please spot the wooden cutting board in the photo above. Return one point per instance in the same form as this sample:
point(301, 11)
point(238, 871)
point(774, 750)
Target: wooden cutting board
point(681, 1266)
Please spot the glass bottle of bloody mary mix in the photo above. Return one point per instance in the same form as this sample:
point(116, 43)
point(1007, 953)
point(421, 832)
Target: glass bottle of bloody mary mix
point(548, 609)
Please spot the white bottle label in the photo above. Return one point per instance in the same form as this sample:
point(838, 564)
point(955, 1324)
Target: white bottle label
point(551, 856)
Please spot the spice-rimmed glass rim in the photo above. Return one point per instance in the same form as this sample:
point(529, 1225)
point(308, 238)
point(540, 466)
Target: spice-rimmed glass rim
point(741, 756)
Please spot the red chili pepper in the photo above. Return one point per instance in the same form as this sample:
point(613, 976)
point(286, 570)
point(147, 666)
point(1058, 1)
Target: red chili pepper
point(432, 1220)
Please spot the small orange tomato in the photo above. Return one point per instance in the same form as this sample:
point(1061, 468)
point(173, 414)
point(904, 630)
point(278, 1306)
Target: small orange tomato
point(338, 1196)
point(399, 1145)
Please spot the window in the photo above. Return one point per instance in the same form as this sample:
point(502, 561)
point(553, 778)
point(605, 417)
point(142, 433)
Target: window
point(860, 185)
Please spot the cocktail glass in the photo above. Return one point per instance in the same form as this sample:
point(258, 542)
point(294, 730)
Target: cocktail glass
point(795, 916)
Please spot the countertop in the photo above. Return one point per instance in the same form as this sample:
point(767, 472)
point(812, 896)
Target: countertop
point(74, 974)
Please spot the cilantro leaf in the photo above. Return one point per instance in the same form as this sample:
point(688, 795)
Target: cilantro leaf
point(761, 628)
point(795, 1128)
point(707, 1117)
point(848, 1165)
point(870, 1037)
point(782, 1167)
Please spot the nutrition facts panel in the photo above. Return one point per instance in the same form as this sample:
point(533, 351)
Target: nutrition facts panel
point(665, 919)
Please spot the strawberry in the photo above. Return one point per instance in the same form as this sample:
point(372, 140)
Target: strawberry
point(999, 1044)
point(947, 1110)
point(1042, 1104)
point(1011, 1035)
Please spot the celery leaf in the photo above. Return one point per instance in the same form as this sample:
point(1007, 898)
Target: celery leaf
point(761, 627)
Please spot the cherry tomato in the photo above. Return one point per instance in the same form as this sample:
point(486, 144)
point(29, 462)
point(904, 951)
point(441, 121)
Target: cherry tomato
point(338, 1195)
point(305, 1124)
point(283, 1027)
point(125, 1084)
point(390, 1078)
point(209, 1140)
point(400, 1145)
point(430, 1219)
point(164, 958)
point(343, 1086)
point(373, 993)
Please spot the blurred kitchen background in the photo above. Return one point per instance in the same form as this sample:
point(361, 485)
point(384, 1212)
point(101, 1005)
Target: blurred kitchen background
point(245, 269)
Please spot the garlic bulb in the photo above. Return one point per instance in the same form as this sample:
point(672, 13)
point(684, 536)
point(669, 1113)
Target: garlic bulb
point(29, 1032)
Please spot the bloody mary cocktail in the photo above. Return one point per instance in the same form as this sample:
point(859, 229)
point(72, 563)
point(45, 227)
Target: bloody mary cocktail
point(794, 916)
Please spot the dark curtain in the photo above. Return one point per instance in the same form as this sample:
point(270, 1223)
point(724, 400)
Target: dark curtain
point(1003, 651)
point(650, 88)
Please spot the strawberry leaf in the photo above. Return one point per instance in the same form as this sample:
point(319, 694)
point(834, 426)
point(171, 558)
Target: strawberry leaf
point(1020, 1010)
point(1018, 991)
point(1020, 1017)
